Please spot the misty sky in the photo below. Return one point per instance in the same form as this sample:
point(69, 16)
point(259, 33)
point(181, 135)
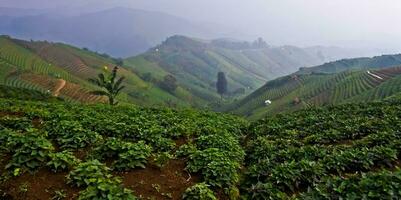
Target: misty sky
point(359, 23)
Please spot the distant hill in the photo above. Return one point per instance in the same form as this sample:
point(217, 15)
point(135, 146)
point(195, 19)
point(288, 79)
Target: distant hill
point(124, 32)
point(118, 31)
point(195, 63)
point(357, 80)
point(376, 62)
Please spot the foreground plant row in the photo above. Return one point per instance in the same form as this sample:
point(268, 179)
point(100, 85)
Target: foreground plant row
point(349, 151)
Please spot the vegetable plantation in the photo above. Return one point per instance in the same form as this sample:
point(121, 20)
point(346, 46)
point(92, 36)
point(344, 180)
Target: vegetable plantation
point(103, 152)
point(343, 152)
point(61, 150)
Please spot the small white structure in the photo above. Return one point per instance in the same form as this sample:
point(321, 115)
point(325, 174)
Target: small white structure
point(157, 50)
point(268, 102)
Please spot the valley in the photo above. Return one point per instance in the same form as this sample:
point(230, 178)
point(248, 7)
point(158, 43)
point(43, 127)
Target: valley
point(200, 100)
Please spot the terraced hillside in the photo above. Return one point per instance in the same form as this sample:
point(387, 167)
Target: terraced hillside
point(195, 63)
point(41, 65)
point(317, 89)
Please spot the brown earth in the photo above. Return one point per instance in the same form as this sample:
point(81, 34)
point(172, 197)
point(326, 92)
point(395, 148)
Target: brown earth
point(39, 186)
point(169, 182)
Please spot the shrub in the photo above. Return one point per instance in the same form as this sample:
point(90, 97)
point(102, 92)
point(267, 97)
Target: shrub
point(199, 191)
point(169, 83)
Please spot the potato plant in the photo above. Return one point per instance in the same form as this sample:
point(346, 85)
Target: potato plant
point(200, 191)
point(88, 173)
point(31, 150)
point(106, 189)
point(62, 161)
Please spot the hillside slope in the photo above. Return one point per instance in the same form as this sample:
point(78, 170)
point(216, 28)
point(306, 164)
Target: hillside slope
point(41, 65)
point(376, 62)
point(195, 63)
point(301, 90)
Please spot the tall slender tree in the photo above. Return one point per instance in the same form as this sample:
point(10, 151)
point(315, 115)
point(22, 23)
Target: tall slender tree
point(108, 82)
point(221, 84)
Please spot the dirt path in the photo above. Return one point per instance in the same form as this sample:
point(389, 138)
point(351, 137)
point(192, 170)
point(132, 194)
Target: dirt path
point(59, 86)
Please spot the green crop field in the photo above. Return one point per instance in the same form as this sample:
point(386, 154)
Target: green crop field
point(344, 152)
point(87, 151)
point(129, 152)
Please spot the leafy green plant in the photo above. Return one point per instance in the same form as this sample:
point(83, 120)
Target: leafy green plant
point(186, 150)
point(215, 166)
point(59, 195)
point(106, 188)
point(88, 173)
point(23, 188)
point(32, 152)
point(199, 191)
point(134, 155)
point(128, 155)
point(16, 123)
point(161, 159)
point(62, 161)
point(72, 135)
point(112, 86)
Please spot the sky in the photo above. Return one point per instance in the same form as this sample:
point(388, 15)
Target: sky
point(347, 23)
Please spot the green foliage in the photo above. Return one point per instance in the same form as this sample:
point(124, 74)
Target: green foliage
point(113, 87)
point(71, 134)
point(25, 94)
point(169, 83)
point(128, 155)
point(215, 166)
point(59, 195)
point(135, 155)
point(221, 84)
point(106, 189)
point(325, 153)
point(186, 150)
point(31, 150)
point(372, 185)
point(88, 173)
point(161, 159)
point(126, 137)
point(16, 123)
point(61, 161)
point(199, 191)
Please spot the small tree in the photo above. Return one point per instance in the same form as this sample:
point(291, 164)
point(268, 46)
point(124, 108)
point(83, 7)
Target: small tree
point(221, 84)
point(169, 83)
point(108, 82)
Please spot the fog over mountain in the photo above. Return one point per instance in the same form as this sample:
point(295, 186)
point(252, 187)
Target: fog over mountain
point(367, 24)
